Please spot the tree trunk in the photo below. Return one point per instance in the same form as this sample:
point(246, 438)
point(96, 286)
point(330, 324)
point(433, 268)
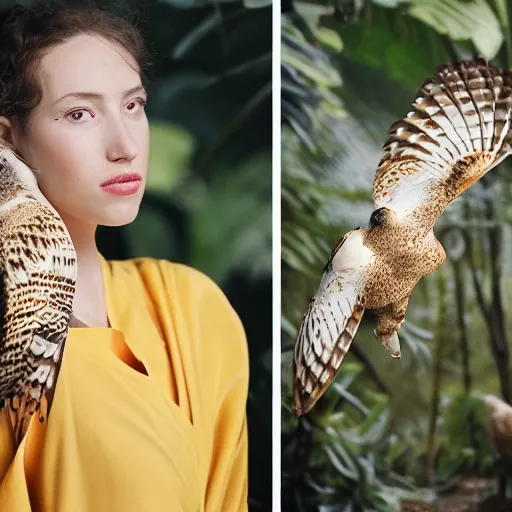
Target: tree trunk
point(497, 318)
point(494, 317)
point(493, 312)
point(464, 344)
point(436, 378)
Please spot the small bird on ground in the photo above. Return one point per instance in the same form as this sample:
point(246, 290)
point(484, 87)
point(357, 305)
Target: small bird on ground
point(459, 129)
point(38, 270)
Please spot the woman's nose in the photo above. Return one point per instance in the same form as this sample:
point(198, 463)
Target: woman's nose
point(122, 145)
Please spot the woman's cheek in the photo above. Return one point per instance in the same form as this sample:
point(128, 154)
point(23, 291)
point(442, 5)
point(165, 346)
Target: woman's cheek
point(51, 189)
point(60, 182)
point(64, 161)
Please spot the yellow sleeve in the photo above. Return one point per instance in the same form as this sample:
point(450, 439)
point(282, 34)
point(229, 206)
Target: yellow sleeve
point(227, 486)
point(18, 465)
point(224, 364)
point(6, 444)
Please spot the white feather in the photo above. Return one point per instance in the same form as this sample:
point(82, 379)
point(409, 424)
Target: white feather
point(39, 345)
point(40, 373)
point(335, 300)
point(352, 257)
point(407, 194)
point(15, 201)
point(51, 377)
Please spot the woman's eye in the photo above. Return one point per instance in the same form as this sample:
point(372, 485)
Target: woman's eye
point(133, 104)
point(78, 115)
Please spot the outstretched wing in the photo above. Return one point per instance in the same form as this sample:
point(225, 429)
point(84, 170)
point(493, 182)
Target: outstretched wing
point(331, 321)
point(458, 130)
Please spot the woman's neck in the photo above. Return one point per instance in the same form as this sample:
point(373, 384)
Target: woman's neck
point(89, 304)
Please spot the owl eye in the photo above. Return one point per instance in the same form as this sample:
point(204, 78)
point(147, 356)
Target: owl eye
point(378, 217)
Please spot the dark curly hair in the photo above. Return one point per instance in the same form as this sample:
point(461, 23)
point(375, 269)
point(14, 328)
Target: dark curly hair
point(27, 34)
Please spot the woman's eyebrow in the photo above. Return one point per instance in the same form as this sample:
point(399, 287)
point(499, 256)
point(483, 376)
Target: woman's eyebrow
point(96, 95)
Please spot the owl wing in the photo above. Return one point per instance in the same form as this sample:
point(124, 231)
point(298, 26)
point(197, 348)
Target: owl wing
point(38, 263)
point(458, 130)
point(331, 321)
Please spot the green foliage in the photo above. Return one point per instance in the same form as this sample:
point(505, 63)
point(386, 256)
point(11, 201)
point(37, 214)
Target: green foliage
point(352, 452)
point(466, 447)
point(188, 4)
point(309, 78)
point(171, 150)
point(218, 210)
point(340, 456)
point(472, 20)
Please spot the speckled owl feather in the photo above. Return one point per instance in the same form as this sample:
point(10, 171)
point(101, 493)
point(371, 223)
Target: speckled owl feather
point(38, 274)
point(459, 129)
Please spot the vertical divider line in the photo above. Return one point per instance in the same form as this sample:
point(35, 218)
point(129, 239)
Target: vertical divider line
point(276, 256)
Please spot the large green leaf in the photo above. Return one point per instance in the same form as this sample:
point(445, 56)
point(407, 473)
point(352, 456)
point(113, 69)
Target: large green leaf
point(309, 77)
point(461, 20)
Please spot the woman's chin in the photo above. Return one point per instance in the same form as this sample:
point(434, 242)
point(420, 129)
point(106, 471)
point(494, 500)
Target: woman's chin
point(120, 216)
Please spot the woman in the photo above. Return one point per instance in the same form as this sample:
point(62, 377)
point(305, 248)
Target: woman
point(149, 408)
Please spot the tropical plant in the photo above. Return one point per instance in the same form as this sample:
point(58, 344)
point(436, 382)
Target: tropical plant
point(465, 445)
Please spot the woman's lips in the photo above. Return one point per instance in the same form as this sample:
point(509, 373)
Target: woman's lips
point(123, 184)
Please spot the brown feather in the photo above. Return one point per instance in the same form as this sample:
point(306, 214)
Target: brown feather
point(38, 263)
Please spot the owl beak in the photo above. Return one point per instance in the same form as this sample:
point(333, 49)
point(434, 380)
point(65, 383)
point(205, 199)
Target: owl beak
point(391, 342)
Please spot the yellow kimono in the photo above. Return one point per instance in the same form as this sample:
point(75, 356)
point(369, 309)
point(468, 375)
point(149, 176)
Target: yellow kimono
point(162, 431)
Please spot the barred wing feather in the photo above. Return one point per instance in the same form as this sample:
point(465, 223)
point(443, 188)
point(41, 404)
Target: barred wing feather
point(331, 321)
point(38, 275)
point(458, 130)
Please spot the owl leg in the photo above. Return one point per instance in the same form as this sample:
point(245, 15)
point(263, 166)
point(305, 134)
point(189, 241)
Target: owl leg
point(389, 320)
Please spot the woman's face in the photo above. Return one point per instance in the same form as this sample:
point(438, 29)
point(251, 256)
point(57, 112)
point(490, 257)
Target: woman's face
point(79, 142)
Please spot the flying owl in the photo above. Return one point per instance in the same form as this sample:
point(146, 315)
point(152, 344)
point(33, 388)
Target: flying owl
point(38, 270)
point(459, 129)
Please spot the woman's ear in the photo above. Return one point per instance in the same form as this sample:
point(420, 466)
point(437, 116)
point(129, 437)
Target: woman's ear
point(6, 133)
point(9, 132)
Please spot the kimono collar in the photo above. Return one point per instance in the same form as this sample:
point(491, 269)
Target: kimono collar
point(128, 312)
